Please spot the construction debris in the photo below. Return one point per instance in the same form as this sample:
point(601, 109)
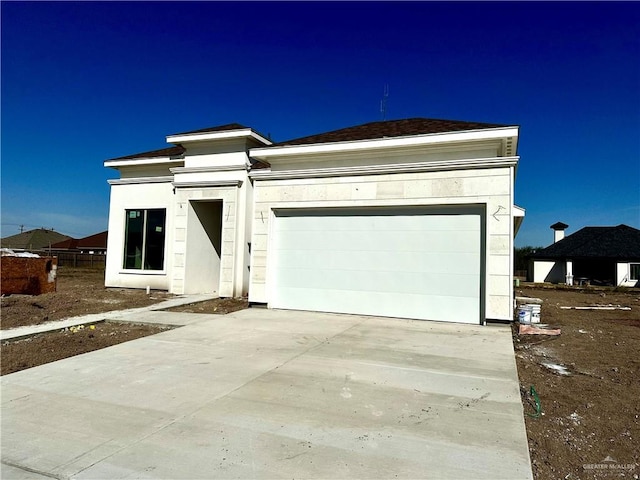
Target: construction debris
point(557, 368)
point(28, 275)
point(537, 330)
point(598, 307)
point(521, 300)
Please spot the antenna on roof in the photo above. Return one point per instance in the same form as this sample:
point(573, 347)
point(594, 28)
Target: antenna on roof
point(383, 102)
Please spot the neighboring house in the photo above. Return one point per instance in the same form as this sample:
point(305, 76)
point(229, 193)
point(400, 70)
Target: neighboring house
point(599, 255)
point(36, 239)
point(68, 245)
point(93, 244)
point(405, 218)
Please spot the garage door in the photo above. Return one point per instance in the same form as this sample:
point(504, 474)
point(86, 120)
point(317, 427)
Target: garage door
point(410, 263)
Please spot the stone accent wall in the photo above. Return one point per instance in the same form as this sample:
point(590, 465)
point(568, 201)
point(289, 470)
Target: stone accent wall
point(490, 187)
point(228, 195)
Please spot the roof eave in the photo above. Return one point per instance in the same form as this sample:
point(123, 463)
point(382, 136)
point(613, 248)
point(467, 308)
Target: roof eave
point(224, 135)
point(386, 142)
point(131, 162)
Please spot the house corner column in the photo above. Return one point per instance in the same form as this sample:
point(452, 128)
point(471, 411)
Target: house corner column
point(241, 241)
point(569, 270)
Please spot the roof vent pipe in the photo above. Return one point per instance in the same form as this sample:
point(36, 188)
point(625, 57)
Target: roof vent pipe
point(558, 231)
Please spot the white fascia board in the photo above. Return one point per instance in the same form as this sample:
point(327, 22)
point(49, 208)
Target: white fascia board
point(382, 169)
point(221, 168)
point(518, 211)
point(208, 183)
point(380, 143)
point(225, 135)
point(142, 162)
point(518, 218)
point(139, 180)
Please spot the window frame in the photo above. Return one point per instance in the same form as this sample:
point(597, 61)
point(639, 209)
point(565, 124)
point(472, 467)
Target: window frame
point(631, 271)
point(144, 242)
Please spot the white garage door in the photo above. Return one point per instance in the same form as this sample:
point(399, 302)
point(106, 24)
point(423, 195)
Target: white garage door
point(409, 263)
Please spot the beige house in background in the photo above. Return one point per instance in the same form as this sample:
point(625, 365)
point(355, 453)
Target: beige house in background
point(409, 218)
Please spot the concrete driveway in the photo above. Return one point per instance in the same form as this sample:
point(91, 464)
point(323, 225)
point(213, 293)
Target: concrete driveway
point(274, 394)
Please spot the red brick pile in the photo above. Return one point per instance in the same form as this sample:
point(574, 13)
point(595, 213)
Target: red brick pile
point(28, 276)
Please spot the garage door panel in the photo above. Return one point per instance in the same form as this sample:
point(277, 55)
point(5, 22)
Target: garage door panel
point(398, 262)
point(379, 282)
point(401, 220)
point(412, 264)
point(355, 302)
point(381, 241)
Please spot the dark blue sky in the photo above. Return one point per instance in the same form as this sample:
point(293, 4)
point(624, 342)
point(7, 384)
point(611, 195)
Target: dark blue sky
point(83, 82)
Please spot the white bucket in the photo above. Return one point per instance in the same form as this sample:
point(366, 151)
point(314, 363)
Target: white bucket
point(524, 314)
point(535, 313)
point(529, 313)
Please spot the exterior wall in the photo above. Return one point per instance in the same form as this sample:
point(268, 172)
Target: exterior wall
point(151, 170)
point(228, 196)
point(623, 270)
point(137, 196)
point(234, 190)
point(216, 154)
point(557, 272)
point(387, 158)
point(211, 171)
point(491, 187)
point(549, 271)
point(244, 239)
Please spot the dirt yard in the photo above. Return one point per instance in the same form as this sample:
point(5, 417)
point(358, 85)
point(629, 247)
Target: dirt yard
point(80, 291)
point(590, 422)
point(48, 347)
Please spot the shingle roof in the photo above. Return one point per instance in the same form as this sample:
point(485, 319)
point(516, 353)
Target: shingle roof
point(174, 151)
point(98, 240)
point(95, 241)
point(68, 244)
point(367, 131)
point(178, 150)
point(33, 239)
point(621, 242)
point(390, 128)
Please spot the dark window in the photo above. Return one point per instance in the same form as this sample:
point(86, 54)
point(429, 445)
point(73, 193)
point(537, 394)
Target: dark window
point(144, 239)
point(634, 271)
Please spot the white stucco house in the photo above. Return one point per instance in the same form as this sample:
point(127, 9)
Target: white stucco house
point(409, 218)
point(592, 255)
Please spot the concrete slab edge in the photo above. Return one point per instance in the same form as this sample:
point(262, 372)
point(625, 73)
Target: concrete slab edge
point(30, 330)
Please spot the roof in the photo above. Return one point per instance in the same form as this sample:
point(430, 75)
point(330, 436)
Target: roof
point(33, 239)
point(178, 150)
point(391, 128)
point(98, 240)
point(174, 151)
point(219, 128)
point(95, 241)
point(621, 242)
point(367, 131)
point(68, 244)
